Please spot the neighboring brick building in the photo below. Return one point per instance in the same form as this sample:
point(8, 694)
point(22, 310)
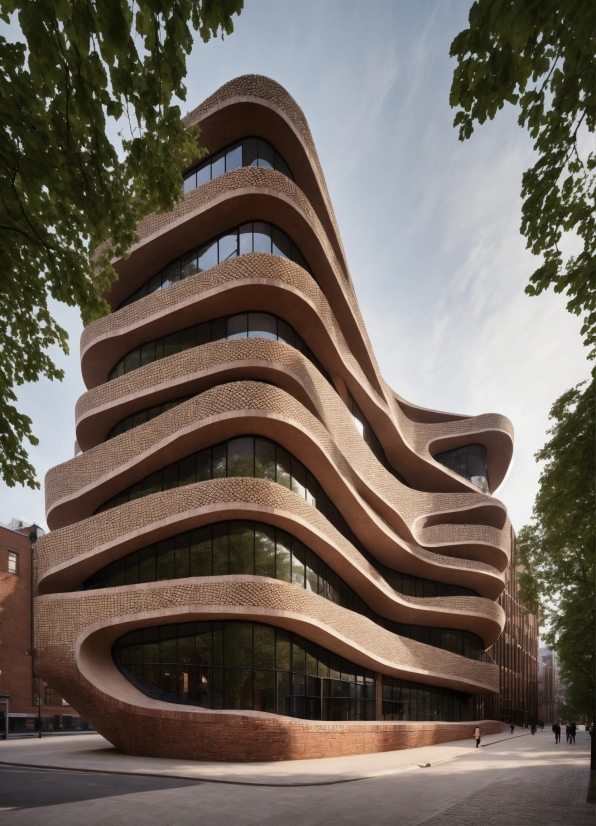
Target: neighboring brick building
point(516, 654)
point(18, 686)
point(260, 550)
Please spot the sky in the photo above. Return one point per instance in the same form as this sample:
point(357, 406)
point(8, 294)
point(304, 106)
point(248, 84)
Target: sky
point(430, 225)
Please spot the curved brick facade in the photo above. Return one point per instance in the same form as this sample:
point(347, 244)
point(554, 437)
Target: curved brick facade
point(399, 508)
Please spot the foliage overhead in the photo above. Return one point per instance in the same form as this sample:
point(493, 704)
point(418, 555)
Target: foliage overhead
point(557, 551)
point(541, 58)
point(69, 196)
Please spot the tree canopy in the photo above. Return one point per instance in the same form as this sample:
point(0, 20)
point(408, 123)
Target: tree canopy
point(557, 550)
point(91, 141)
point(540, 57)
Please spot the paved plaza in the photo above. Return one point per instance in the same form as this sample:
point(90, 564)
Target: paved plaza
point(509, 781)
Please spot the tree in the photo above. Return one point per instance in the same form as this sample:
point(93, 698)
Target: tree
point(539, 55)
point(557, 550)
point(70, 196)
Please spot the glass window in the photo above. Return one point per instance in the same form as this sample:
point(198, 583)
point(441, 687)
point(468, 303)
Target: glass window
point(204, 174)
point(234, 157)
point(207, 256)
point(132, 361)
point(262, 325)
point(190, 182)
point(283, 467)
point(171, 345)
point(188, 265)
point(245, 235)
point(218, 462)
point(265, 551)
point(266, 154)
point(255, 236)
point(264, 459)
point(241, 548)
point(13, 562)
point(281, 166)
point(228, 246)
point(201, 552)
point(250, 152)
point(261, 236)
point(237, 326)
point(281, 244)
point(241, 457)
point(218, 165)
point(283, 556)
point(220, 549)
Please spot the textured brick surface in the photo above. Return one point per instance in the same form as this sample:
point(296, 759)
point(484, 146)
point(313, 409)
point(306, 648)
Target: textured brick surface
point(439, 526)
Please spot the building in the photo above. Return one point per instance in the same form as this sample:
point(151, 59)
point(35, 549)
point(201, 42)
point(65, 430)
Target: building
point(29, 701)
point(516, 654)
point(261, 551)
point(551, 691)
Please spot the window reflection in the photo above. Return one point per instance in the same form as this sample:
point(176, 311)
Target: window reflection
point(245, 665)
point(242, 325)
point(247, 152)
point(404, 700)
point(253, 666)
point(255, 236)
point(468, 461)
point(257, 549)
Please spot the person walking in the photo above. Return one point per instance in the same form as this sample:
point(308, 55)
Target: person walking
point(477, 735)
point(511, 726)
point(533, 729)
point(572, 730)
point(557, 732)
point(568, 732)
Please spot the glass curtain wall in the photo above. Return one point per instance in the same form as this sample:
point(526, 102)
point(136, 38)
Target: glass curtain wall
point(468, 461)
point(143, 416)
point(254, 236)
point(245, 665)
point(257, 549)
point(404, 700)
point(247, 152)
point(242, 325)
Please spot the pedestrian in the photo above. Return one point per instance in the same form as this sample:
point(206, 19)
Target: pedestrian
point(568, 732)
point(572, 730)
point(511, 726)
point(542, 725)
point(557, 732)
point(533, 729)
point(477, 735)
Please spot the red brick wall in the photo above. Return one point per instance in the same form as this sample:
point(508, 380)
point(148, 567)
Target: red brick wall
point(15, 630)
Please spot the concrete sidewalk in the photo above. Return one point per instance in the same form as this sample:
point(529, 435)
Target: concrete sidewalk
point(95, 754)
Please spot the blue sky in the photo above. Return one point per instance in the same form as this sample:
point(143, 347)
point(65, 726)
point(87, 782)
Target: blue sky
point(430, 225)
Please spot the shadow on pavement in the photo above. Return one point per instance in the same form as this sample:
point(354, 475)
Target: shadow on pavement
point(27, 788)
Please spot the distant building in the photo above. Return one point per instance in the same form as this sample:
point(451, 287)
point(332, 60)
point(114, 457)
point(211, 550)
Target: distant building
point(551, 691)
point(20, 690)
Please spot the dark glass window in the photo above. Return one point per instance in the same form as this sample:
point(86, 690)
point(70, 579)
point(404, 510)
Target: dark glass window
point(245, 665)
point(257, 549)
point(247, 152)
point(143, 416)
point(468, 461)
point(404, 700)
point(255, 236)
point(242, 325)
